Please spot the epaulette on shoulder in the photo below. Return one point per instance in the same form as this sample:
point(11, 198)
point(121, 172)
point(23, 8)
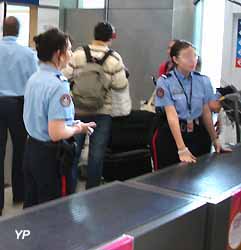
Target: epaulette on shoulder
point(198, 73)
point(62, 78)
point(166, 76)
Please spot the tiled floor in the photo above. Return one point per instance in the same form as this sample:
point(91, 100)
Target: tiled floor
point(12, 210)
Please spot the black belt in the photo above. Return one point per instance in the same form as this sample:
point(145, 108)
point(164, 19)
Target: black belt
point(43, 143)
point(196, 123)
point(19, 98)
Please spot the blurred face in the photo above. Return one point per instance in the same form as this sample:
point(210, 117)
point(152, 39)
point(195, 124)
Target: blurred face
point(66, 55)
point(186, 60)
point(170, 44)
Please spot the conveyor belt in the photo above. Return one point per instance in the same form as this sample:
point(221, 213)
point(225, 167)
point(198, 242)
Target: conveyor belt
point(87, 220)
point(211, 177)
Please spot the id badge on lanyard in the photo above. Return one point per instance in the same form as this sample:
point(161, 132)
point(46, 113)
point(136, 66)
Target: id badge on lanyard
point(190, 123)
point(190, 126)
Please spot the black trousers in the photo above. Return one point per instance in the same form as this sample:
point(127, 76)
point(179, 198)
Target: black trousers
point(11, 118)
point(42, 173)
point(198, 142)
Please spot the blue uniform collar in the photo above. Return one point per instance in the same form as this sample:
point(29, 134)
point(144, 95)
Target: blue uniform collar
point(181, 76)
point(10, 38)
point(47, 67)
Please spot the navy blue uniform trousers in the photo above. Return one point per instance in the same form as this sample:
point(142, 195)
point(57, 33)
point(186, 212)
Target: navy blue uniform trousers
point(11, 118)
point(42, 174)
point(198, 142)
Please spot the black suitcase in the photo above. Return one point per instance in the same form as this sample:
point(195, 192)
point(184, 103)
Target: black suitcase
point(125, 165)
point(132, 132)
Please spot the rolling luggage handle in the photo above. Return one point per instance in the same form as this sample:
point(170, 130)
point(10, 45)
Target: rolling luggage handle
point(150, 105)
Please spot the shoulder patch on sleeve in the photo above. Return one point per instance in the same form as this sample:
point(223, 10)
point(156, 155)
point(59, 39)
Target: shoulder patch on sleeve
point(65, 100)
point(160, 92)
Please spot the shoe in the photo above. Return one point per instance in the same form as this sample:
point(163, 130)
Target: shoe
point(0, 212)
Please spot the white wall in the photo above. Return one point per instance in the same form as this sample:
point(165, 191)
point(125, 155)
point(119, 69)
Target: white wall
point(54, 3)
point(212, 40)
point(47, 18)
point(94, 4)
point(48, 14)
point(23, 15)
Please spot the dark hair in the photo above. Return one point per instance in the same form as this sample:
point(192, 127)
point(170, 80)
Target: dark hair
point(11, 26)
point(178, 46)
point(199, 64)
point(50, 42)
point(174, 41)
point(103, 31)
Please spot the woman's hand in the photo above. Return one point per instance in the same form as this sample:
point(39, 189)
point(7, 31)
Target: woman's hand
point(85, 128)
point(186, 156)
